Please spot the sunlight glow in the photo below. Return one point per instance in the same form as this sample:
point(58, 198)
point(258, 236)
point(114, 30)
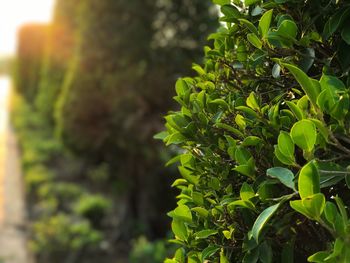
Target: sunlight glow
point(15, 13)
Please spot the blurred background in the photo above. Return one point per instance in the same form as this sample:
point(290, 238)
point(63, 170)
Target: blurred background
point(89, 82)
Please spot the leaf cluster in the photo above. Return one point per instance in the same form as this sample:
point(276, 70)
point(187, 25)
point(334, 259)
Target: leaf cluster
point(264, 130)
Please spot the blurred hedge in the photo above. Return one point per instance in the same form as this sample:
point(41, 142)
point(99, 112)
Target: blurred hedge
point(31, 45)
point(59, 49)
point(107, 74)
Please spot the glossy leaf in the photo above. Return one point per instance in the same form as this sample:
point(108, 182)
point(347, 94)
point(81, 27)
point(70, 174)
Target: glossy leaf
point(286, 144)
point(310, 87)
point(179, 229)
point(284, 175)
point(264, 23)
point(262, 220)
point(309, 180)
point(303, 134)
point(205, 233)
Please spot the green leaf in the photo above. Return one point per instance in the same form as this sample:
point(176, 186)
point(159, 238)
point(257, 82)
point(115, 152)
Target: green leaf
point(337, 249)
point(161, 135)
point(229, 128)
point(311, 206)
point(242, 155)
point(205, 233)
point(178, 182)
point(179, 256)
point(208, 252)
point(264, 23)
point(230, 11)
point(254, 40)
point(223, 258)
point(298, 206)
point(282, 158)
point(246, 192)
point(335, 22)
point(251, 2)
point(262, 220)
point(285, 176)
point(309, 180)
point(222, 2)
point(202, 212)
point(276, 71)
point(249, 25)
point(318, 257)
point(188, 175)
point(345, 34)
point(252, 101)
point(251, 141)
point(245, 170)
point(241, 203)
point(181, 87)
point(286, 145)
point(296, 110)
point(182, 212)
point(314, 205)
point(247, 110)
point(288, 29)
point(330, 212)
point(266, 253)
point(332, 82)
point(307, 59)
point(310, 87)
point(179, 229)
point(198, 69)
point(322, 128)
point(220, 102)
point(304, 134)
point(175, 138)
point(287, 255)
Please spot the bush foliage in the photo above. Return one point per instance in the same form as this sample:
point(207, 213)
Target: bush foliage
point(264, 131)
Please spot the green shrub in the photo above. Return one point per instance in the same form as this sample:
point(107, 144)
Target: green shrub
point(37, 175)
point(57, 238)
point(93, 207)
point(145, 251)
point(264, 129)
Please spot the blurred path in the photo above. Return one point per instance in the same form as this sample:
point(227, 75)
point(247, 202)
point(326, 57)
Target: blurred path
point(12, 206)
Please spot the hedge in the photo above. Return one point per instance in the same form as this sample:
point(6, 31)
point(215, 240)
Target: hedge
point(59, 50)
point(264, 134)
point(30, 49)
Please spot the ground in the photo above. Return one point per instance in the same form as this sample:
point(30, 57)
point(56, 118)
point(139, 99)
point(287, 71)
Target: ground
point(13, 241)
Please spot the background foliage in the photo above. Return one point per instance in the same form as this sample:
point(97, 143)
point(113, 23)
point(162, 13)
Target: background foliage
point(85, 123)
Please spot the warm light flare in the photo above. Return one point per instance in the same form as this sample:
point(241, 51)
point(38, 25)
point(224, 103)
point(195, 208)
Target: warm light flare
point(15, 13)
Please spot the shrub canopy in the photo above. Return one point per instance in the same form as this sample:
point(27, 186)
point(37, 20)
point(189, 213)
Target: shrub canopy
point(264, 130)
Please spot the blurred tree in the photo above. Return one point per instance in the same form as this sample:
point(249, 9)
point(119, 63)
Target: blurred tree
point(31, 39)
point(60, 47)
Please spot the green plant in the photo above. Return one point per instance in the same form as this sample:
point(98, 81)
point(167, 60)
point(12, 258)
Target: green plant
point(61, 235)
point(93, 207)
point(264, 129)
point(145, 251)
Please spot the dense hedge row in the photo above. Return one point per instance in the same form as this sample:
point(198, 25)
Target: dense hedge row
point(59, 50)
point(264, 129)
